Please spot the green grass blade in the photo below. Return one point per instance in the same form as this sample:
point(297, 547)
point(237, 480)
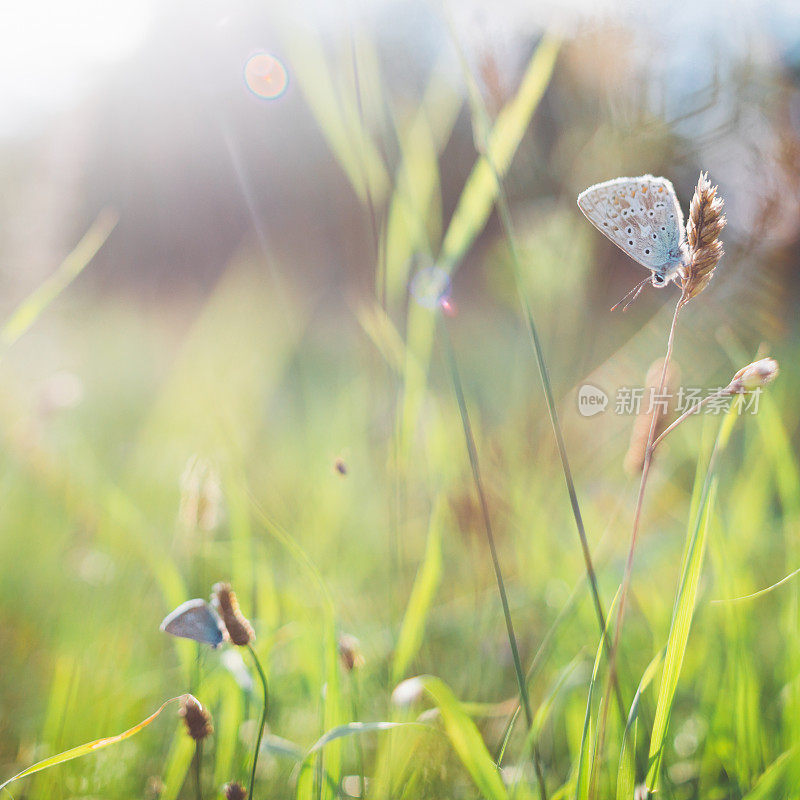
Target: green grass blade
point(304, 773)
point(32, 307)
point(585, 759)
point(414, 214)
point(89, 747)
point(480, 125)
point(63, 688)
point(780, 779)
point(357, 729)
point(333, 701)
point(177, 764)
point(228, 716)
point(685, 602)
point(472, 212)
point(585, 764)
point(276, 746)
point(336, 113)
point(379, 327)
point(481, 188)
point(542, 714)
point(422, 594)
point(545, 708)
point(760, 592)
point(626, 772)
point(779, 446)
point(466, 740)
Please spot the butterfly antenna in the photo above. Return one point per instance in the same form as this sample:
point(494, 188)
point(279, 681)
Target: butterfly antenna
point(635, 292)
point(638, 292)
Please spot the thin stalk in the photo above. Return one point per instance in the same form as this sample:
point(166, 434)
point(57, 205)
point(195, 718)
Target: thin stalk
point(498, 573)
point(648, 460)
point(198, 757)
point(689, 411)
point(637, 516)
point(482, 128)
point(373, 217)
point(263, 722)
point(505, 218)
point(362, 781)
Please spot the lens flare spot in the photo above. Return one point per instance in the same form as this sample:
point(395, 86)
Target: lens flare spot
point(448, 306)
point(430, 287)
point(266, 76)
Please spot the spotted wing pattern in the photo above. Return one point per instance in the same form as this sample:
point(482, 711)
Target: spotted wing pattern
point(641, 216)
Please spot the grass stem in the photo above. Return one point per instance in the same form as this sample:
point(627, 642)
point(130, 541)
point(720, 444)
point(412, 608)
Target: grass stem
point(263, 721)
point(362, 781)
point(481, 128)
point(198, 758)
point(626, 579)
point(516, 262)
point(695, 409)
point(487, 522)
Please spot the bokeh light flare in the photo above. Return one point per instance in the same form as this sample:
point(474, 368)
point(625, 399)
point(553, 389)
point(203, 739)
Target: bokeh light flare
point(266, 76)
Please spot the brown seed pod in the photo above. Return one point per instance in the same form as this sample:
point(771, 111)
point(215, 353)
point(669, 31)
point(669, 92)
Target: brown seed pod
point(240, 631)
point(235, 791)
point(350, 652)
point(196, 718)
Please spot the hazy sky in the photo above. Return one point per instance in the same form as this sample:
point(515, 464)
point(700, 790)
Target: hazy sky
point(51, 51)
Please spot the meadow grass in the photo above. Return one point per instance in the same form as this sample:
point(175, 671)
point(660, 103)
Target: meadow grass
point(392, 550)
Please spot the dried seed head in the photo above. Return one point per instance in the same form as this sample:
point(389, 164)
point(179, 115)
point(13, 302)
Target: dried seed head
point(350, 652)
point(753, 376)
point(408, 692)
point(196, 718)
point(705, 224)
point(201, 495)
point(239, 630)
point(235, 791)
point(652, 403)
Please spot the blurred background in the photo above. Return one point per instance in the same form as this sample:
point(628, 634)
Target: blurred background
point(278, 174)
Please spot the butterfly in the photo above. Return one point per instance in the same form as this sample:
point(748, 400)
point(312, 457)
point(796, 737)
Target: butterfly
point(641, 216)
point(194, 619)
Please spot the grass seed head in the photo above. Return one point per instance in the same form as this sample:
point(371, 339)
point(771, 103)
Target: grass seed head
point(201, 495)
point(754, 376)
point(196, 718)
point(235, 791)
point(240, 631)
point(705, 224)
point(350, 652)
point(408, 692)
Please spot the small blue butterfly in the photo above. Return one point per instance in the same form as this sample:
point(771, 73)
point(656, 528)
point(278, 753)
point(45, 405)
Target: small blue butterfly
point(194, 619)
point(641, 216)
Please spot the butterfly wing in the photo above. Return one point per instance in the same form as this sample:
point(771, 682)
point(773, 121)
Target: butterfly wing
point(641, 216)
point(194, 619)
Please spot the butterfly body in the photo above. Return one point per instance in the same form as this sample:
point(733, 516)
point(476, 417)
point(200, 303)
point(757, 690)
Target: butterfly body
point(641, 216)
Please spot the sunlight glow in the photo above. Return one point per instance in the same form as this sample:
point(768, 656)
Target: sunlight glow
point(51, 52)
